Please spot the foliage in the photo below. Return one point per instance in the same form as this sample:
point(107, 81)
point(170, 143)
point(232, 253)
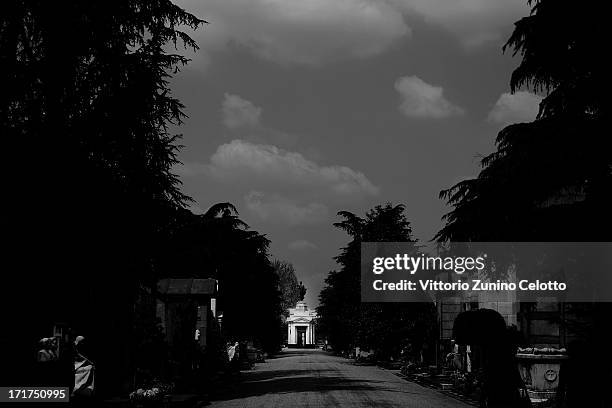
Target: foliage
point(291, 290)
point(154, 391)
point(387, 327)
point(218, 244)
point(540, 185)
point(85, 113)
point(550, 179)
point(88, 89)
point(560, 51)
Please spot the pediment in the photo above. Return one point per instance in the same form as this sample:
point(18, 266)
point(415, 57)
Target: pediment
point(301, 320)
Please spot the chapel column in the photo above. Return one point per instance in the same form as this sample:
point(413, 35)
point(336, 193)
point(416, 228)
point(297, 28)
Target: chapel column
point(288, 333)
point(314, 338)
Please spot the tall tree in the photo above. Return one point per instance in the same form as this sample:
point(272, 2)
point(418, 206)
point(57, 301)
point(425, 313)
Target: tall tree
point(85, 114)
point(346, 321)
point(551, 179)
point(218, 244)
point(291, 290)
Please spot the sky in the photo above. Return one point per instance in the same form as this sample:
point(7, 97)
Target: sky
point(298, 109)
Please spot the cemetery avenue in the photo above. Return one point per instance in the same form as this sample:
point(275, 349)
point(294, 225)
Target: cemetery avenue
point(305, 203)
point(313, 378)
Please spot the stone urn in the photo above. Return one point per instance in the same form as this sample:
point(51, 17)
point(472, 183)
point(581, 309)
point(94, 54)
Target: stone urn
point(540, 368)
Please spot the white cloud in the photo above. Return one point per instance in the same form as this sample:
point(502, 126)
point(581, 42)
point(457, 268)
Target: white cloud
point(519, 107)
point(473, 22)
point(422, 100)
point(278, 209)
point(301, 245)
point(313, 32)
point(307, 32)
point(244, 119)
point(241, 160)
point(239, 113)
point(190, 169)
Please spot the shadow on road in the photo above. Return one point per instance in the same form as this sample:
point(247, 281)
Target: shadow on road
point(286, 355)
point(298, 381)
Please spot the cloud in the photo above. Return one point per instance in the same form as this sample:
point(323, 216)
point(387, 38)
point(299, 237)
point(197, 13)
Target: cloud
point(284, 186)
point(519, 107)
point(473, 22)
point(190, 169)
point(279, 209)
point(244, 119)
point(422, 100)
point(241, 160)
point(307, 32)
point(239, 113)
point(314, 32)
point(301, 245)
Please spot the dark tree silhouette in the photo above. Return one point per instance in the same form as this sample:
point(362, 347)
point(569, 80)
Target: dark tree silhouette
point(218, 244)
point(291, 290)
point(382, 327)
point(551, 179)
point(85, 118)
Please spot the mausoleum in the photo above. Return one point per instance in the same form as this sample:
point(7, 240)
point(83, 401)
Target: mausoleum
point(301, 327)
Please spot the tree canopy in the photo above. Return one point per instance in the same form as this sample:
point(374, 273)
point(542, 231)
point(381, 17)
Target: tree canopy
point(93, 214)
point(292, 291)
point(218, 244)
point(85, 116)
point(549, 179)
point(347, 322)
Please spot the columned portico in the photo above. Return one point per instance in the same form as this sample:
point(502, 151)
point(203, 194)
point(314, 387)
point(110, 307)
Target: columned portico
point(301, 327)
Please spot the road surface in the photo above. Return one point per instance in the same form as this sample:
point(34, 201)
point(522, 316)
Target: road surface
point(313, 378)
